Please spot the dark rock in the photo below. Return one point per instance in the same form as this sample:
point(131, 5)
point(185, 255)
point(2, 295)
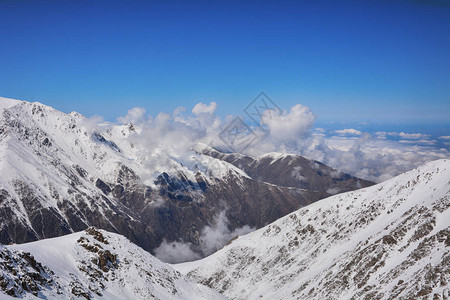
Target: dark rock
point(96, 234)
point(389, 240)
point(102, 186)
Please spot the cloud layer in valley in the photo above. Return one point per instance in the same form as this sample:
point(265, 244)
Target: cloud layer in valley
point(212, 238)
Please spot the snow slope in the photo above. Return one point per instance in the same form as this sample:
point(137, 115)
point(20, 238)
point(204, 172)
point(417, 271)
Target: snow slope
point(391, 240)
point(95, 264)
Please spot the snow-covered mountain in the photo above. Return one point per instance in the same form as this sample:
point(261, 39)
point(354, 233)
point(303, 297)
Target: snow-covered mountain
point(92, 264)
point(388, 241)
point(292, 171)
point(61, 173)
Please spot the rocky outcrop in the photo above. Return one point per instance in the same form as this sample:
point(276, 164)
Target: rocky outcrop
point(20, 274)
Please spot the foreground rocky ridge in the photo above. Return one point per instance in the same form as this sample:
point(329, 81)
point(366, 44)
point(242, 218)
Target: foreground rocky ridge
point(21, 274)
point(61, 174)
point(93, 264)
point(388, 241)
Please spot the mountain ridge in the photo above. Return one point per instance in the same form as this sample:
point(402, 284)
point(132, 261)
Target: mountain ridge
point(391, 240)
point(92, 264)
point(388, 241)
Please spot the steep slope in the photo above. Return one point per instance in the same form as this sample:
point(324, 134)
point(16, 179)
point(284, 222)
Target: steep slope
point(391, 240)
point(93, 264)
point(60, 173)
point(49, 177)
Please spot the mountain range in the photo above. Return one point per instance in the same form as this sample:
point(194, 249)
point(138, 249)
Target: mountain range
point(89, 210)
point(62, 174)
point(388, 241)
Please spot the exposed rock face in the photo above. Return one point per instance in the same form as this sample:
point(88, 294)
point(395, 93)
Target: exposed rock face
point(58, 177)
point(20, 274)
point(389, 241)
point(92, 264)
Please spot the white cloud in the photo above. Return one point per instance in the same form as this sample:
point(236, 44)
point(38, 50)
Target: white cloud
point(288, 127)
point(423, 142)
point(371, 158)
point(92, 123)
point(349, 131)
point(157, 202)
point(383, 134)
point(200, 108)
point(413, 136)
point(445, 137)
point(212, 238)
point(403, 135)
point(333, 191)
point(135, 116)
point(176, 252)
point(162, 119)
point(215, 237)
point(168, 139)
point(296, 173)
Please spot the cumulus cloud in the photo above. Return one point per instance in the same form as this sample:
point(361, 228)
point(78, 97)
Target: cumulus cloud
point(349, 131)
point(288, 127)
point(201, 108)
point(166, 136)
point(135, 115)
point(166, 140)
point(445, 137)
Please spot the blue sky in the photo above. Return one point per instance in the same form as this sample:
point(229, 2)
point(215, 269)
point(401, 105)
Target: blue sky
point(374, 61)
